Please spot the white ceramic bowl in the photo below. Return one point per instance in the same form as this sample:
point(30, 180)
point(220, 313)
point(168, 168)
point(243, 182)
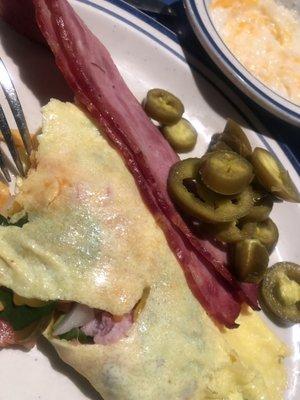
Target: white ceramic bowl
point(199, 16)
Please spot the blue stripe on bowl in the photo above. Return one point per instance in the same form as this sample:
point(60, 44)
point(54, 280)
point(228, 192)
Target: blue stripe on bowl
point(162, 29)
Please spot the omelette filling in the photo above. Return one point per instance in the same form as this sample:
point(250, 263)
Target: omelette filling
point(72, 321)
point(80, 323)
point(23, 320)
point(88, 326)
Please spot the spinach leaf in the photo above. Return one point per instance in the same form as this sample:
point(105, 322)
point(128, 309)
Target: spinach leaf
point(6, 221)
point(77, 334)
point(20, 317)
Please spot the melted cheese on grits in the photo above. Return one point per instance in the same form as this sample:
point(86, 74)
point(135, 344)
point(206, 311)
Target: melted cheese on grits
point(90, 238)
point(265, 37)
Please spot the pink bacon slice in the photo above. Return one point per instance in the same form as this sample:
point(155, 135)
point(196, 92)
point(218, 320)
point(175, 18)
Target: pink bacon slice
point(21, 15)
point(100, 89)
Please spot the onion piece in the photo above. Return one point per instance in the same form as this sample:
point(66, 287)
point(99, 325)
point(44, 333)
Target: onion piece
point(79, 315)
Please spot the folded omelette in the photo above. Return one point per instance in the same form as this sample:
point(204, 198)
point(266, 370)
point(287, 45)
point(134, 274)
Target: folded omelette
point(91, 240)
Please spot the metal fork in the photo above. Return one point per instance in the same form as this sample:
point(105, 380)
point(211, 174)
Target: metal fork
point(18, 114)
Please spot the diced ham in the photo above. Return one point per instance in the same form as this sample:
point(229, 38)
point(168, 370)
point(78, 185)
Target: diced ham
point(7, 335)
point(106, 330)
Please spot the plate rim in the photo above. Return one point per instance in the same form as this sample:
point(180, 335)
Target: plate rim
point(154, 24)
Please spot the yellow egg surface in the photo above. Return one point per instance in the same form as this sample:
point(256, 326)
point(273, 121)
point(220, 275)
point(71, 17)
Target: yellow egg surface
point(259, 348)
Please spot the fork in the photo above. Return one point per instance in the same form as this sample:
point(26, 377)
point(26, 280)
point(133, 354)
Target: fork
point(18, 114)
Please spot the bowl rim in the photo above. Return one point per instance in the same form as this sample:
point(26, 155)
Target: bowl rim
point(204, 28)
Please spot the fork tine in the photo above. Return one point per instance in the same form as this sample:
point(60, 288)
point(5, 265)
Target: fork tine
point(6, 132)
point(15, 106)
point(3, 167)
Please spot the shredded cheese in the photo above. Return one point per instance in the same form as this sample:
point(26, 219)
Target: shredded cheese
point(264, 36)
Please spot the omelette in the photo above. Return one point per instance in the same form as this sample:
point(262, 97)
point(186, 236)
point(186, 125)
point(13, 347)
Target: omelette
point(90, 241)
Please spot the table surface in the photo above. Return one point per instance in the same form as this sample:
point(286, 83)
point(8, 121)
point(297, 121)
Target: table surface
point(286, 135)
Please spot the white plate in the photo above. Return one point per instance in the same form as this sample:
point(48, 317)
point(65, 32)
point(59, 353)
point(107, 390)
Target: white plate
point(199, 16)
point(148, 56)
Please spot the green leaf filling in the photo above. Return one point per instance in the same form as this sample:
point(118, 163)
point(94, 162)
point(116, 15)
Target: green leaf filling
point(6, 221)
point(77, 334)
point(20, 317)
